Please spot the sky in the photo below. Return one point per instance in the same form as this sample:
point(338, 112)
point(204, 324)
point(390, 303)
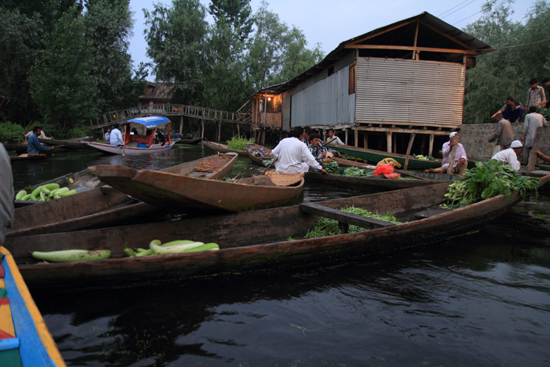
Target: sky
point(332, 22)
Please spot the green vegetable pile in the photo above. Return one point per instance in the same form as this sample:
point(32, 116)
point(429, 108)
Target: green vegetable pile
point(357, 172)
point(174, 247)
point(487, 180)
point(329, 227)
point(423, 157)
point(332, 168)
point(45, 193)
point(238, 143)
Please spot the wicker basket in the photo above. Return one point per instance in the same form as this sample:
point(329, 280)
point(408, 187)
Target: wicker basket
point(284, 180)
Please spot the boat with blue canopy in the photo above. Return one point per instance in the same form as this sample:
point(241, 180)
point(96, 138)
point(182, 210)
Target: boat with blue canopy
point(24, 338)
point(141, 135)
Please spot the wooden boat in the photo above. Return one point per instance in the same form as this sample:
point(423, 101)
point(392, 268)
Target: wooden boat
point(95, 207)
point(188, 141)
point(378, 183)
point(376, 156)
point(79, 181)
point(148, 123)
point(15, 146)
point(24, 337)
point(257, 153)
point(223, 148)
point(169, 190)
point(259, 239)
point(419, 175)
point(30, 158)
point(72, 144)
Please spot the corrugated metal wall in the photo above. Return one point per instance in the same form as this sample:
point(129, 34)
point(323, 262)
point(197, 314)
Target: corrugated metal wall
point(409, 91)
point(326, 102)
point(286, 111)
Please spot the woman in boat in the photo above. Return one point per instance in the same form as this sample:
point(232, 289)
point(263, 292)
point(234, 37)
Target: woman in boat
point(293, 157)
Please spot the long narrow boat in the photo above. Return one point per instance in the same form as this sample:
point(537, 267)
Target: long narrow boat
point(271, 238)
point(29, 158)
point(168, 190)
point(257, 153)
point(73, 144)
point(376, 156)
point(14, 146)
point(189, 141)
point(25, 340)
point(97, 207)
point(223, 148)
point(141, 143)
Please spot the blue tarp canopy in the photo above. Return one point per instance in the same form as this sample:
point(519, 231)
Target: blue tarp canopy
point(149, 122)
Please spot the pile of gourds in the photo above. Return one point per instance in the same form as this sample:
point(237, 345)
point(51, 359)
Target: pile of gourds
point(45, 193)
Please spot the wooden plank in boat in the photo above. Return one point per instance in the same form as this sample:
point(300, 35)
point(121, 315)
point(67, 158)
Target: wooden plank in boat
point(344, 217)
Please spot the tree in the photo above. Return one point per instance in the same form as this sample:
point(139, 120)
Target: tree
point(62, 82)
point(20, 47)
point(175, 41)
point(108, 26)
point(522, 54)
point(236, 13)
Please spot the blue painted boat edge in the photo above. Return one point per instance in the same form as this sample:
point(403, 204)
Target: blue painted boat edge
point(31, 349)
point(8, 344)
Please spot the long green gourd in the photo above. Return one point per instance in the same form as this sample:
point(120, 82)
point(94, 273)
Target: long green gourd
point(71, 255)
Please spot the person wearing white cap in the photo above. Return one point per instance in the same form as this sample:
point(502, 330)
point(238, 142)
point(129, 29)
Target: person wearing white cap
point(453, 152)
point(510, 156)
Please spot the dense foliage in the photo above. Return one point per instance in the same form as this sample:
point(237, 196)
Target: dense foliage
point(487, 180)
point(238, 143)
point(10, 132)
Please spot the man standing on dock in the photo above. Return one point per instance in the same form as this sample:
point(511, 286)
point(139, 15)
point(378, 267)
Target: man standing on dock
point(34, 146)
point(532, 121)
point(293, 157)
point(504, 133)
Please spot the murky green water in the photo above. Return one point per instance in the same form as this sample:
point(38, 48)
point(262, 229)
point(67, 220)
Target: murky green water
point(480, 300)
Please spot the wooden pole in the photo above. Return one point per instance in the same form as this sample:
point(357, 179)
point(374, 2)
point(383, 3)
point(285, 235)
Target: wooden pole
point(532, 159)
point(356, 136)
point(238, 130)
point(220, 131)
point(431, 145)
point(409, 151)
point(365, 140)
point(346, 137)
point(181, 124)
point(388, 142)
point(202, 129)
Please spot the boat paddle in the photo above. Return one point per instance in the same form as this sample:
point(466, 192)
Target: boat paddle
point(268, 167)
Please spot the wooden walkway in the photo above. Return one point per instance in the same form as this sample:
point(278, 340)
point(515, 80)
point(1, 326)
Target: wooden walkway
point(200, 113)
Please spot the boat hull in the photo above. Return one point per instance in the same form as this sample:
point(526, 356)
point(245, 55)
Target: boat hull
point(107, 148)
point(252, 152)
point(222, 148)
point(376, 156)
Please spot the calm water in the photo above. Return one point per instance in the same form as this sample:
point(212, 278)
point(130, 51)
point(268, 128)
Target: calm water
point(480, 300)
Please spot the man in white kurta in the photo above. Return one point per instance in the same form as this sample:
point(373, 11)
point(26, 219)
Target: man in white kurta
point(293, 157)
point(532, 121)
point(116, 137)
point(510, 156)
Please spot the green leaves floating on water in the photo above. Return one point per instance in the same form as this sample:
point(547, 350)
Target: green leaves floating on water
point(487, 180)
point(329, 227)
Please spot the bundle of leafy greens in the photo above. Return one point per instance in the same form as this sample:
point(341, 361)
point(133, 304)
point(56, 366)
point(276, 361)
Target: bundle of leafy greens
point(487, 180)
point(332, 168)
point(238, 143)
point(423, 157)
point(357, 172)
point(328, 227)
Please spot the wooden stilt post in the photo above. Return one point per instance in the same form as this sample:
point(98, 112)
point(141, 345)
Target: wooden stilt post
point(431, 145)
point(388, 142)
point(346, 138)
point(220, 131)
point(532, 159)
point(365, 140)
point(202, 129)
point(356, 135)
point(181, 124)
point(409, 151)
point(238, 130)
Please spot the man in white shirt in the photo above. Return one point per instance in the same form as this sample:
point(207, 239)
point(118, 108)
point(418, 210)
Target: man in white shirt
point(455, 159)
point(41, 136)
point(333, 139)
point(116, 137)
point(293, 157)
point(510, 156)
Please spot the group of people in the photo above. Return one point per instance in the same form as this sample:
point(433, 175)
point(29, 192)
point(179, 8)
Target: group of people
point(114, 137)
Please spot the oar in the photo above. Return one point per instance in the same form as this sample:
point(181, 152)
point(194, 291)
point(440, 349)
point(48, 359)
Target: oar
point(267, 169)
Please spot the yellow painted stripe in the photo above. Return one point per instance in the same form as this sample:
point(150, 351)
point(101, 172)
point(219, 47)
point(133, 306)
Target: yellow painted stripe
point(6, 322)
point(41, 327)
point(2, 283)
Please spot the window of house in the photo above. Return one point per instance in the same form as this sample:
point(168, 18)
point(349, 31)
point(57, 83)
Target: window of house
point(351, 79)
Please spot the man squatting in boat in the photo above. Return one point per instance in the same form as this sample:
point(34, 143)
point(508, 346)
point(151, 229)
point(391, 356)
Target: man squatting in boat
point(510, 156)
point(453, 152)
point(293, 157)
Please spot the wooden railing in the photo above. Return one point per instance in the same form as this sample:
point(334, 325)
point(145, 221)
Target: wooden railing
point(243, 116)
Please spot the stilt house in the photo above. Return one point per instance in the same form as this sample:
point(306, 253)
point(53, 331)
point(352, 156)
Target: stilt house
point(377, 89)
